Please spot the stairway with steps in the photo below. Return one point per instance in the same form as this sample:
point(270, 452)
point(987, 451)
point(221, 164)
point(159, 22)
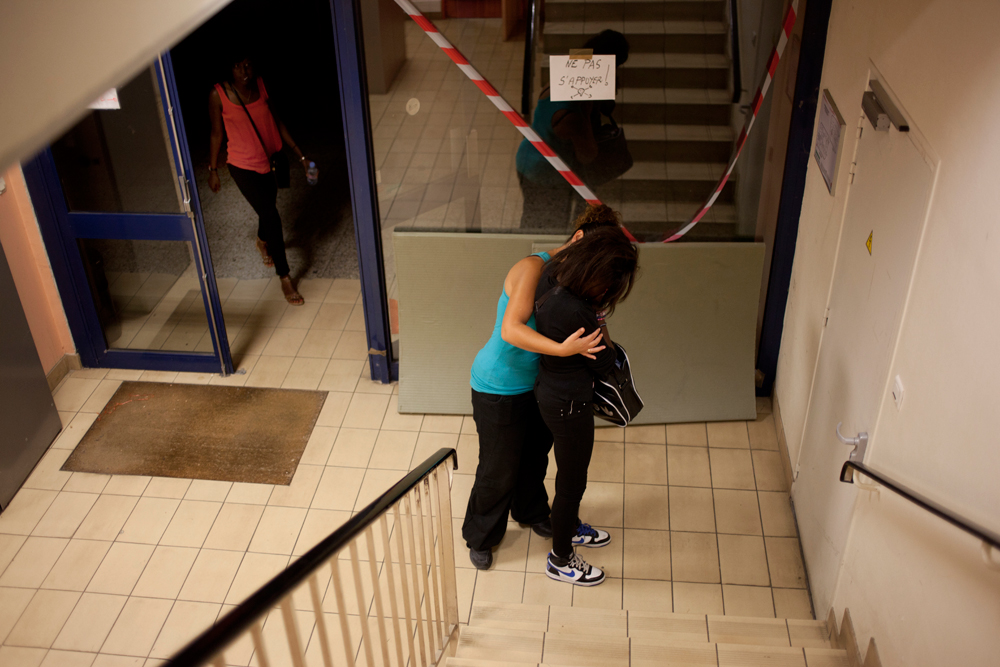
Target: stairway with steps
point(522, 635)
point(673, 104)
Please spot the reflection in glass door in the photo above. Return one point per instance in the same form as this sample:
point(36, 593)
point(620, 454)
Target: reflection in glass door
point(131, 235)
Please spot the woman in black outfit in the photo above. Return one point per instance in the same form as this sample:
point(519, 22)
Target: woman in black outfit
point(579, 286)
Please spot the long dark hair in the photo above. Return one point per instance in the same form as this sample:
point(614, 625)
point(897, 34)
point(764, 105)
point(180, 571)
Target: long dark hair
point(594, 217)
point(600, 268)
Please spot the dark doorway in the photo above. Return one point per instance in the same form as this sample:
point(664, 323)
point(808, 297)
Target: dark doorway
point(293, 50)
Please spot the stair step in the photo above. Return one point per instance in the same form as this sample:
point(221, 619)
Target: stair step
point(671, 213)
point(475, 662)
point(487, 643)
point(676, 106)
point(611, 10)
point(650, 36)
point(556, 621)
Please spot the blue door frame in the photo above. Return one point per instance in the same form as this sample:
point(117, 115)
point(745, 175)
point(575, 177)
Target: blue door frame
point(62, 228)
point(351, 75)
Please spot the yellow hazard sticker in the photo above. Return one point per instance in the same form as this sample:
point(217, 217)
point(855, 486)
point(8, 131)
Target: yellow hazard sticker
point(868, 243)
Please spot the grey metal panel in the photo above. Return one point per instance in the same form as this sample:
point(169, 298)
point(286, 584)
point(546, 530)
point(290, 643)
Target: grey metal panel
point(689, 325)
point(29, 421)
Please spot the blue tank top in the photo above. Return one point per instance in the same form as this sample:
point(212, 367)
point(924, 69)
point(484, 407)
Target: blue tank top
point(533, 164)
point(501, 368)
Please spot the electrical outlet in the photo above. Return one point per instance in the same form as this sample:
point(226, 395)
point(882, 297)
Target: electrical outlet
point(897, 392)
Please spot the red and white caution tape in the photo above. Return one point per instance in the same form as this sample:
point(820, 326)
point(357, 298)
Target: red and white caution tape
point(550, 155)
point(758, 98)
point(499, 102)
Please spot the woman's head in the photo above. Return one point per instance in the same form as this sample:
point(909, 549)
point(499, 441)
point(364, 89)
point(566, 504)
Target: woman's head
point(609, 43)
point(595, 217)
point(237, 66)
point(600, 268)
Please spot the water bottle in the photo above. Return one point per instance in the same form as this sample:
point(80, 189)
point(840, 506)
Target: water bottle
point(312, 174)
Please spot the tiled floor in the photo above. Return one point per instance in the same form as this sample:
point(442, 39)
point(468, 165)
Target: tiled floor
point(121, 571)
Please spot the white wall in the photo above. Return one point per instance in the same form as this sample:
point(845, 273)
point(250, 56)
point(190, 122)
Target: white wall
point(913, 582)
point(58, 55)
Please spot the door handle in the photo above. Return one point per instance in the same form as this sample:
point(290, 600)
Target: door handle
point(860, 443)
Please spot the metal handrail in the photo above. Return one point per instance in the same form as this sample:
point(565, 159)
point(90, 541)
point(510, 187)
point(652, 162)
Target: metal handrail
point(528, 74)
point(955, 519)
point(734, 36)
point(207, 645)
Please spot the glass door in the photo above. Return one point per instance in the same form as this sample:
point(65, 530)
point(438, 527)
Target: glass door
point(129, 225)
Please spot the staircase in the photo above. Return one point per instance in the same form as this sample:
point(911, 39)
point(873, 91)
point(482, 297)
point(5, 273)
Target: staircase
point(521, 635)
point(674, 105)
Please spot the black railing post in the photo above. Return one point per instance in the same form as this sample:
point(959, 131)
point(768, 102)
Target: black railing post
point(530, 16)
point(734, 47)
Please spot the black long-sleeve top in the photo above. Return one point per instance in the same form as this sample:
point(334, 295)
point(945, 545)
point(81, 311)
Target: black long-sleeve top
point(567, 378)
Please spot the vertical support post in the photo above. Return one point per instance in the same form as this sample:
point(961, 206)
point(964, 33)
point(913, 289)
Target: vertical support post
point(338, 592)
point(448, 550)
point(402, 581)
point(391, 581)
point(422, 559)
point(379, 612)
point(324, 638)
point(415, 570)
point(292, 633)
point(366, 637)
point(258, 645)
point(351, 76)
point(425, 491)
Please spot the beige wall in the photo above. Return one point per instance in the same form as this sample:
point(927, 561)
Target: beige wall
point(58, 56)
point(29, 264)
point(917, 585)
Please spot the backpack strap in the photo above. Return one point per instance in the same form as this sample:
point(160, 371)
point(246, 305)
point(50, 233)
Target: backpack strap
point(558, 289)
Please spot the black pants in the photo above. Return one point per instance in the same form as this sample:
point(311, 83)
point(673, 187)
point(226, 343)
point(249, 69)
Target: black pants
point(514, 449)
point(261, 192)
point(572, 426)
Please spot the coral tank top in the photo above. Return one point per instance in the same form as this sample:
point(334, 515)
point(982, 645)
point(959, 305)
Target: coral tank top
point(244, 149)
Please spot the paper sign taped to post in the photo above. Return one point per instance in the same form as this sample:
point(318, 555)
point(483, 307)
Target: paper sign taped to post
point(580, 80)
point(108, 100)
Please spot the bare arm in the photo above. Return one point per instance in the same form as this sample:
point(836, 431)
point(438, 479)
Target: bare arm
point(520, 288)
point(286, 137)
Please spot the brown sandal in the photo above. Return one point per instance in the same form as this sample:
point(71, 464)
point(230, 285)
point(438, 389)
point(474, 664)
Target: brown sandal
point(262, 249)
point(292, 295)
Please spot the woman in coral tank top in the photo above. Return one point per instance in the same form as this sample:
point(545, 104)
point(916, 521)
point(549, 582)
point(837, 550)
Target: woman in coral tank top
point(249, 162)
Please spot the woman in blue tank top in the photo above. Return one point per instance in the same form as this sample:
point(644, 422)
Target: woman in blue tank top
point(514, 442)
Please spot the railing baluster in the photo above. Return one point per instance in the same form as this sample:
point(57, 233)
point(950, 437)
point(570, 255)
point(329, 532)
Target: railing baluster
point(448, 549)
point(380, 614)
point(338, 592)
point(258, 645)
point(402, 581)
point(292, 632)
point(415, 570)
point(366, 639)
point(391, 582)
point(324, 639)
point(423, 570)
point(425, 491)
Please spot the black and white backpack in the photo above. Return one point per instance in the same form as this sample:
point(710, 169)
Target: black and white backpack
point(615, 397)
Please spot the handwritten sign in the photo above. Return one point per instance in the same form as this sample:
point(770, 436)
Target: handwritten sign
point(581, 80)
point(829, 140)
point(108, 100)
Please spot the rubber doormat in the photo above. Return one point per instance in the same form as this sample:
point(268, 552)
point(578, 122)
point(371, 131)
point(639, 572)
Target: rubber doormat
point(232, 434)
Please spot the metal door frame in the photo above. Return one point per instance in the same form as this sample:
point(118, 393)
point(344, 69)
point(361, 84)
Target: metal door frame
point(61, 228)
point(353, 82)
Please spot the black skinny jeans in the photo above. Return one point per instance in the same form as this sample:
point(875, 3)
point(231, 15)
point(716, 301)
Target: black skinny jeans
point(572, 426)
point(261, 192)
point(514, 449)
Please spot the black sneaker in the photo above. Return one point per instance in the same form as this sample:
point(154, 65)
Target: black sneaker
point(482, 560)
point(573, 570)
point(587, 536)
point(543, 529)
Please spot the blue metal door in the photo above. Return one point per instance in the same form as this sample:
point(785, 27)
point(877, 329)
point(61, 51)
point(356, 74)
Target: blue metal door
point(123, 226)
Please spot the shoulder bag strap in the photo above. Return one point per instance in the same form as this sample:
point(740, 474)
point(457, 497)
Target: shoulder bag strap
point(252, 124)
point(545, 297)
